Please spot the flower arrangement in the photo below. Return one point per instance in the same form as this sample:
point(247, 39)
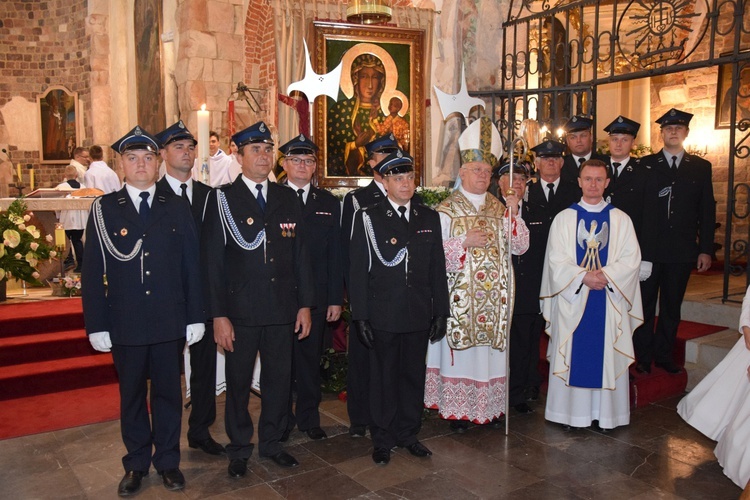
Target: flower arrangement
point(71, 285)
point(340, 192)
point(22, 247)
point(637, 151)
point(432, 196)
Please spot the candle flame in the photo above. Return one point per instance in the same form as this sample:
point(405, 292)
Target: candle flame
point(203, 107)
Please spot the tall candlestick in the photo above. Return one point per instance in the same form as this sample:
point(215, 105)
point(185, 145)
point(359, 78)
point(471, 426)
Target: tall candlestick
point(31, 177)
point(18, 173)
point(203, 138)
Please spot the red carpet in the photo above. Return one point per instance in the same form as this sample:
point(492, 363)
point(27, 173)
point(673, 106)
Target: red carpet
point(50, 377)
point(657, 385)
point(60, 410)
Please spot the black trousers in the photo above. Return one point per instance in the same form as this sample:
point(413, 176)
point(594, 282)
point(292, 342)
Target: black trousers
point(135, 365)
point(202, 385)
point(75, 235)
point(668, 283)
point(358, 381)
point(306, 375)
point(525, 330)
point(397, 375)
point(275, 345)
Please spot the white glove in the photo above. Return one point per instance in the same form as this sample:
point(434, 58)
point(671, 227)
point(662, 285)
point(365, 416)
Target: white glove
point(645, 271)
point(194, 333)
point(100, 341)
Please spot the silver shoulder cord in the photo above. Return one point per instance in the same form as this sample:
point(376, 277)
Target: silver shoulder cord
point(374, 245)
point(228, 222)
point(105, 241)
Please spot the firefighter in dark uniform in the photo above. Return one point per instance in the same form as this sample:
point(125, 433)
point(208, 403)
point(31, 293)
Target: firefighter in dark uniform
point(260, 291)
point(145, 242)
point(321, 212)
point(686, 208)
point(632, 188)
point(178, 153)
point(399, 301)
point(545, 198)
point(580, 141)
point(358, 374)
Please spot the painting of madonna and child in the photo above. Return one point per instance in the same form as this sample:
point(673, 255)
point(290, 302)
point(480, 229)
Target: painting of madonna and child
point(376, 96)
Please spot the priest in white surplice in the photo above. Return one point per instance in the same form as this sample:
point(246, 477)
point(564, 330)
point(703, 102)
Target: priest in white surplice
point(466, 370)
point(591, 302)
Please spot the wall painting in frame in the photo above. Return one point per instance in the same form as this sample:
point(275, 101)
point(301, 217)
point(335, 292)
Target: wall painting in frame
point(381, 91)
point(724, 98)
point(59, 130)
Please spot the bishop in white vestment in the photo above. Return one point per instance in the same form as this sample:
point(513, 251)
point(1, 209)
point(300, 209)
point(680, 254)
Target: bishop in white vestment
point(466, 371)
point(591, 303)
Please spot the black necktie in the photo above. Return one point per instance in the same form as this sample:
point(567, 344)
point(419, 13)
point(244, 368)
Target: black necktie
point(261, 200)
point(144, 209)
point(674, 163)
point(580, 161)
point(402, 211)
point(301, 197)
point(616, 170)
point(183, 186)
point(551, 194)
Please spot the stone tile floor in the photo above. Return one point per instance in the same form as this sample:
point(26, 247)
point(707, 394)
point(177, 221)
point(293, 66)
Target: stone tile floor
point(656, 456)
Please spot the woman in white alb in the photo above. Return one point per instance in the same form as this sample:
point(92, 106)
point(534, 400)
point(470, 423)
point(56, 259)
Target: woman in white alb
point(719, 406)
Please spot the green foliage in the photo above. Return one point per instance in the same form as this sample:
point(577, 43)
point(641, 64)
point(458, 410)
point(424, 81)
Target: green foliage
point(333, 367)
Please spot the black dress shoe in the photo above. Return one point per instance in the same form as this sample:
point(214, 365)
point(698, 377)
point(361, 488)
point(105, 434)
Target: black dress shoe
point(459, 426)
point(601, 430)
point(381, 456)
point(131, 483)
point(237, 467)
point(643, 367)
point(669, 367)
point(523, 408)
point(173, 479)
point(208, 445)
point(532, 394)
point(566, 428)
point(285, 437)
point(419, 450)
point(316, 433)
point(284, 459)
point(497, 423)
point(357, 431)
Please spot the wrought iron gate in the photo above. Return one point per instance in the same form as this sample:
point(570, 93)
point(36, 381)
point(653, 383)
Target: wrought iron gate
point(557, 52)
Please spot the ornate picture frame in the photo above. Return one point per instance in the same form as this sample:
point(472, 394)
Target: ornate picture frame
point(723, 98)
point(59, 127)
point(381, 64)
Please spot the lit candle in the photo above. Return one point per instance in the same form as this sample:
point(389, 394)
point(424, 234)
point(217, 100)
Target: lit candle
point(59, 235)
point(203, 139)
point(203, 131)
point(18, 173)
point(31, 177)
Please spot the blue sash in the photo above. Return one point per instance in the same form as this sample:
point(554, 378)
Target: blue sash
point(587, 352)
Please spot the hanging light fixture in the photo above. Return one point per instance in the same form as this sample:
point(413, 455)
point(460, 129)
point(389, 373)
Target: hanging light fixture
point(368, 11)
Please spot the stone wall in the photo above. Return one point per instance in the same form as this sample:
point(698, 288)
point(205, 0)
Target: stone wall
point(44, 43)
point(209, 57)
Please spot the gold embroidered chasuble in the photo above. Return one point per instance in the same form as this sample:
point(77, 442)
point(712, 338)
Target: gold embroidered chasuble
point(480, 308)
